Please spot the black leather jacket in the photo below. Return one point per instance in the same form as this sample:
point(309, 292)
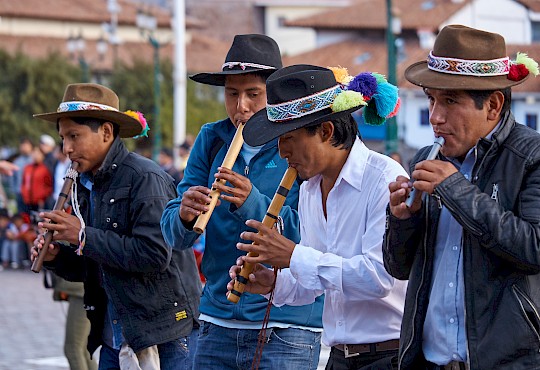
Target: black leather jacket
point(500, 214)
point(154, 290)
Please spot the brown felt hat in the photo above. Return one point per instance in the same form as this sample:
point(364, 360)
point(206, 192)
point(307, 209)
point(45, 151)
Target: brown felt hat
point(464, 58)
point(95, 101)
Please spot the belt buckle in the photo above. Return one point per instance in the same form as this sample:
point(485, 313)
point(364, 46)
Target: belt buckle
point(347, 354)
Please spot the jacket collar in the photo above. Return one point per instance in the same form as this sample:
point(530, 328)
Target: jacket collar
point(499, 136)
point(115, 156)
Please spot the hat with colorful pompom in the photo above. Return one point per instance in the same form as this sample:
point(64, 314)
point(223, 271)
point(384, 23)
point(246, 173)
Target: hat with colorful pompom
point(465, 58)
point(305, 95)
point(97, 101)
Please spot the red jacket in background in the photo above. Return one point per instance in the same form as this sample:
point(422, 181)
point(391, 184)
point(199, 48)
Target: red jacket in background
point(37, 184)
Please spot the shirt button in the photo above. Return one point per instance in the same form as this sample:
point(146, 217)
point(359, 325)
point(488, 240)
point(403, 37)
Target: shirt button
point(114, 224)
point(111, 201)
point(454, 356)
point(108, 219)
point(175, 304)
point(452, 320)
point(454, 247)
point(114, 166)
point(114, 322)
point(451, 285)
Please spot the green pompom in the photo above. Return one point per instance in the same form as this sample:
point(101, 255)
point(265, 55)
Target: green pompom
point(346, 100)
point(370, 115)
point(528, 62)
point(379, 77)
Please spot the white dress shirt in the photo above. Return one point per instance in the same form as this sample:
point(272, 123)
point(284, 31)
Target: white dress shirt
point(341, 255)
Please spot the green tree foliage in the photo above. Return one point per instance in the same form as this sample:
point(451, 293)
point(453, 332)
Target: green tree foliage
point(135, 88)
point(29, 86)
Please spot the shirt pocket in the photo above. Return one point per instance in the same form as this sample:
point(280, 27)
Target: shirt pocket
point(115, 204)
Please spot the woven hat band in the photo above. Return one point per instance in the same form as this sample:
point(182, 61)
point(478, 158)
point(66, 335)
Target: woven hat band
point(287, 111)
point(479, 68)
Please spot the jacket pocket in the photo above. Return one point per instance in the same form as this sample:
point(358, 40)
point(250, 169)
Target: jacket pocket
point(529, 310)
point(115, 215)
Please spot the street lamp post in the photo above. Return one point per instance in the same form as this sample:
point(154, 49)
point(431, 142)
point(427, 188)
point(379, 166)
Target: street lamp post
point(76, 46)
point(147, 25)
point(393, 28)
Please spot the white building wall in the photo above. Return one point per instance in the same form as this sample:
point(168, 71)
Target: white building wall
point(291, 40)
point(506, 17)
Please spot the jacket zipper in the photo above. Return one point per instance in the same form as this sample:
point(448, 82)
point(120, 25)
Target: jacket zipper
point(517, 292)
point(408, 346)
point(246, 171)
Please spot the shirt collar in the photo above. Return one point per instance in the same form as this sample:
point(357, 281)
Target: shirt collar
point(352, 171)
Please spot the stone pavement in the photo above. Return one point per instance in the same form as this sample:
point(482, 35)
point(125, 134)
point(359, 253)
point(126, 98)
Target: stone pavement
point(32, 324)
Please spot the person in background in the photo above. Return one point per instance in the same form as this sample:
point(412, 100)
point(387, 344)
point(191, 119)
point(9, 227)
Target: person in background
point(60, 168)
point(468, 244)
point(229, 334)
point(48, 146)
point(19, 234)
point(23, 159)
point(166, 161)
point(4, 224)
point(37, 182)
point(141, 296)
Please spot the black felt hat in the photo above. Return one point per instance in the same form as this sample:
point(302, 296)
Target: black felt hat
point(297, 96)
point(248, 53)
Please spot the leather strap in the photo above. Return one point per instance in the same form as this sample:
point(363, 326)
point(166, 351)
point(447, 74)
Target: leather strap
point(351, 350)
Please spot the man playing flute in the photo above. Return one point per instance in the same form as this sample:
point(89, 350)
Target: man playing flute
point(228, 335)
point(470, 246)
point(140, 296)
point(341, 207)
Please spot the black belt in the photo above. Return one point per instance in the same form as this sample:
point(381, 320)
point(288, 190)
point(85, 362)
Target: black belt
point(351, 350)
point(454, 365)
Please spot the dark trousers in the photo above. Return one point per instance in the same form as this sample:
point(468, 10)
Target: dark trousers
point(384, 360)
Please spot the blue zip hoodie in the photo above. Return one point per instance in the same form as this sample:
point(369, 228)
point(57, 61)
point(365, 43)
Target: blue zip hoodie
point(265, 172)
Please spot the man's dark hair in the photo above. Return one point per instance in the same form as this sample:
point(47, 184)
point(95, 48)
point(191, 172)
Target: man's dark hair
point(345, 131)
point(93, 123)
point(480, 96)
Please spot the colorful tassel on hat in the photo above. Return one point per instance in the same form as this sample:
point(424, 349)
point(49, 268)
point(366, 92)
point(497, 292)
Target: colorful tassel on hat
point(371, 90)
point(139, 117)
point(341, 75)
point(522, 66)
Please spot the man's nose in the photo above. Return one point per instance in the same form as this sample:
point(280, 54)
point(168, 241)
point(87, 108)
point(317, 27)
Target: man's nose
point(242, 104)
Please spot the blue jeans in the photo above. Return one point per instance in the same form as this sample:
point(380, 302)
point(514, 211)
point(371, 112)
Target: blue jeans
point(174, 355)
point(222, 348)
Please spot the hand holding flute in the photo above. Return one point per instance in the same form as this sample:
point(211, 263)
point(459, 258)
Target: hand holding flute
point(58, 206)
point(427, 175)
point(268, 247)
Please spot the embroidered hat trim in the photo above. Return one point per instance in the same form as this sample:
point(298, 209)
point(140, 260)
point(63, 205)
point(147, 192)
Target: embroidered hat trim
point(302, 107)
point(74, 106)
point(480, 68)
point(243, 65)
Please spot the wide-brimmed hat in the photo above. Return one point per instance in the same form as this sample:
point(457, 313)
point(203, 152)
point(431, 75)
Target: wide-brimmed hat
point(305, 95)
point(465, 58)
point(248, 53)
point(97, 101)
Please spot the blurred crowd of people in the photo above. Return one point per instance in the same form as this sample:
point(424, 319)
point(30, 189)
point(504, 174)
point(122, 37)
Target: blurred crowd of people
point(31, 180)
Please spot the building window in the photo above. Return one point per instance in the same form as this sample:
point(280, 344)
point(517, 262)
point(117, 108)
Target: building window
point(531, 120)
point(424, 117)
point(535, 27)
point(281, 21)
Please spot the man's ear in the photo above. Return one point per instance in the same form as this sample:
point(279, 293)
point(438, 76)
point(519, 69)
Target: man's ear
point(326, 131)
point(108, 131)
point(495, 103)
